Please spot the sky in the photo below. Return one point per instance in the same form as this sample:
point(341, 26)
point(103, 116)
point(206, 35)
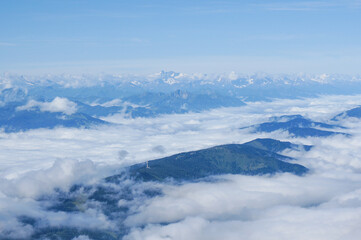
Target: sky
point(146, 36)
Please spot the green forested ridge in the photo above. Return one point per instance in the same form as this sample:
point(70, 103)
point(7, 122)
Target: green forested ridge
point(251, 158)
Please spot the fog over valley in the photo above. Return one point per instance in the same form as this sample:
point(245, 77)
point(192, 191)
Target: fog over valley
point(54, 180)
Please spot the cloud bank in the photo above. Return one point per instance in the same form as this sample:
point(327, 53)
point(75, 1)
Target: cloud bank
point(325, 204)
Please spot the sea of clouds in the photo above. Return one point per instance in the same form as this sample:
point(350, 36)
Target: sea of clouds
point(324, 204)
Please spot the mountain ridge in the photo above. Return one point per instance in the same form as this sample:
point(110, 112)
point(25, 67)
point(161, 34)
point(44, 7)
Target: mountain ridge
point(223, 159)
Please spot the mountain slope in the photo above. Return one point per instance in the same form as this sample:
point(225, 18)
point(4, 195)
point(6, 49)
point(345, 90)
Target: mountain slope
point(224, 159)
point(354, 112)
point(276, 146)
point(12, 120)
point(297, 126)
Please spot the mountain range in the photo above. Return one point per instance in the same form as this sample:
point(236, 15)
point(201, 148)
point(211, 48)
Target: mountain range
point(105, 87)
point(132, 96)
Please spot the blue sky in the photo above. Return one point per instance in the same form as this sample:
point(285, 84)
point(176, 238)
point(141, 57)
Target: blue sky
point(143, 36)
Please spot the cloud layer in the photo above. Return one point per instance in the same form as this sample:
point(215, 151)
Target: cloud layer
point(325, 204)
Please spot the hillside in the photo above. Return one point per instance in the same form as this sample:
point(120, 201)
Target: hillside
point(297, 126)
point(223, 159)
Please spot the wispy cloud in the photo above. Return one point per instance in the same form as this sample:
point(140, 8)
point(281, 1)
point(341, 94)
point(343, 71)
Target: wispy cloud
point(275, 37)
point(7, 44)
point(305, 5)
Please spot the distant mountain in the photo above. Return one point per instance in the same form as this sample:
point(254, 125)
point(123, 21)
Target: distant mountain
point(177, 102)
point(13, 95)
point(98, 110)
point(354, 112)
point(250, 87)
point(224, 159)
point(298, 126)
point(13, 120)
point(276, 146)
point(127, 98)
point(42, 112)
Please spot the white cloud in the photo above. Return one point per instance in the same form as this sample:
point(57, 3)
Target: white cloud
point(82, 237)
point(61, 175)
point(12, 207)
point(324, 204)
point(112, 103)
point(57, 105)
point(241, 197)
point(278, 223)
